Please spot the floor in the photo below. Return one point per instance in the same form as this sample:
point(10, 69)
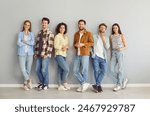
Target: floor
point(53, 93)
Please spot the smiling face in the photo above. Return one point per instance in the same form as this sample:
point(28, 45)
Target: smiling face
point(81, 25)
point(62, 29)
point(27, 26)
point(102, 29)
point(44, 24)
point(115, 29)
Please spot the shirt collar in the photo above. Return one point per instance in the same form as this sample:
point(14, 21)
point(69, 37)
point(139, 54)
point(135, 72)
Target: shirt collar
point(45, 31)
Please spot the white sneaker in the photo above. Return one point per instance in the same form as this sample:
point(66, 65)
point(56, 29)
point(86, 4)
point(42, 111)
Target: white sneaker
point(66, 86)
point(85, 87)
point(44, 87)
point(61, 88)
point(125, 84)
point(79, 89)
point(117, 88)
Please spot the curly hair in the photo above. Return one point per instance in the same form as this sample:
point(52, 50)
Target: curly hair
point(58, 28)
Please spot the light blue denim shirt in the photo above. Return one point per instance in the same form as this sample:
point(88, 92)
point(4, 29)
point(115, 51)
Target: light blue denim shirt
point(21, 45)
point(106, 46)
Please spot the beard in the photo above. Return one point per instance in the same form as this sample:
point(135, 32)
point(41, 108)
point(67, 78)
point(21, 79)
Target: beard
point(101, 31)
point(81, 29)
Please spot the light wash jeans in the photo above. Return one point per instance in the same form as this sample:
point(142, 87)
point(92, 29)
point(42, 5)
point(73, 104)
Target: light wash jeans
point(42, 70)
point(99, 66)
point(25, 64)
point(80, 69)
point(63, 69)
point(117, 67)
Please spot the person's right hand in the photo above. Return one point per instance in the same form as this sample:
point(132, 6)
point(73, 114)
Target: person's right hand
point(78, 45)
point(63, 48)
point(23, 41)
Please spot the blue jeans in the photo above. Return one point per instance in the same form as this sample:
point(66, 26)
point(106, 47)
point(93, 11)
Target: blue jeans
point(42, 70)
point(63, 69)
point(25, 64)
point(99, 66)
point(81, 63)
point(117, 67)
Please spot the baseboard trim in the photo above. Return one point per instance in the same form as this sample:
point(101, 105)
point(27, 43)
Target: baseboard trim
point(76, 85)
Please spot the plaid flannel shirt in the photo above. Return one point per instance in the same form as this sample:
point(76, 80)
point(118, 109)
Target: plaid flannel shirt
point(48, 44)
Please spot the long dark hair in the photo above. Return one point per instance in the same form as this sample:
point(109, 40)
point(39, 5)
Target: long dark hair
point(58, 28)
point(119, 30)
point(30, 29)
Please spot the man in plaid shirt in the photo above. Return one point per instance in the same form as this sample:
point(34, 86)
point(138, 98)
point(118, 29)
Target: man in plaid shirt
point(43, 51)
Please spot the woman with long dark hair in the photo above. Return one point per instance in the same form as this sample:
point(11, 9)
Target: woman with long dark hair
point(118, 45)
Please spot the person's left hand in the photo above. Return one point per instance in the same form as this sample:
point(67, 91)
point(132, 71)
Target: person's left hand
point(119, 49)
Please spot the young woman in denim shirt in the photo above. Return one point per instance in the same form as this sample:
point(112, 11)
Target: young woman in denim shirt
point(25, 45)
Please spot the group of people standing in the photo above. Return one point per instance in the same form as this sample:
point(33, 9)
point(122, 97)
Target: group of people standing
point(86, 45)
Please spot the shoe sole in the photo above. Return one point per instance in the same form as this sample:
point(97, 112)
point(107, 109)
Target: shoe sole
point(116, 90)
point(95, 91)
point(26, 89)
point(62, 89)
point(100, 91)
point(67, 88)
point(78, 90)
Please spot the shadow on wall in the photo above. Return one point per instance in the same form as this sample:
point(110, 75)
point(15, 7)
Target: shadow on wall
point(17, 75)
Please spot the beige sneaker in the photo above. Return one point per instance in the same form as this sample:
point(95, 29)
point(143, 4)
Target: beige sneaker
point(66, 86)
point(61, 88)
point(79, 89)
point(29, 84)
point(25, 87)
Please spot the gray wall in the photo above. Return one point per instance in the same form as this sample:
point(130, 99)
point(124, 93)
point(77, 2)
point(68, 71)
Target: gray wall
point(132, 15)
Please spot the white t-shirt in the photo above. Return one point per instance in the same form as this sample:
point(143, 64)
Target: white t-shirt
point(79, 42)
point(25, 39)
point(99, 50)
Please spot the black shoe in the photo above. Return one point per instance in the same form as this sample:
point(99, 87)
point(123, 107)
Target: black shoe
point(39, 87)
point(100, 89)
point(95, 88)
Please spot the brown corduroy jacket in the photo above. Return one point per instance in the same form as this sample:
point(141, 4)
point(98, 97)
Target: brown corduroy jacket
point(87, 40)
